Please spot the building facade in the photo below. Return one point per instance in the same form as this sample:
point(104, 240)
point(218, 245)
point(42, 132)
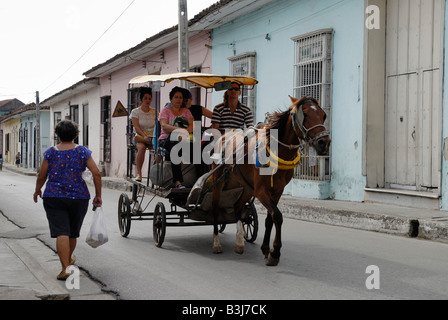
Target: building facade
point(376, 66)
point(19, 135)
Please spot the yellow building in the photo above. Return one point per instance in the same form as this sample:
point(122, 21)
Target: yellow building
point(11, 142)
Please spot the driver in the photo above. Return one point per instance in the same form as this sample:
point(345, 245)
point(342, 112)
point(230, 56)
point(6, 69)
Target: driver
point(231, 114)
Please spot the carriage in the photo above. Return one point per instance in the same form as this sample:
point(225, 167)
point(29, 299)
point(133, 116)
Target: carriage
point(191, 206)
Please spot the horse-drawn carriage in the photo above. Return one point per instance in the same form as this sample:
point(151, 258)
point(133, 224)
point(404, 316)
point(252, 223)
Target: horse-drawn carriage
point(226, 194)
point(191, 206)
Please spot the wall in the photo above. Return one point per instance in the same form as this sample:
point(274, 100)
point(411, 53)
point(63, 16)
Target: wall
point(12, 127)
point(444, 182)
point(275, 58)
point(92, 98)
point(116, 85)
point(29, 122)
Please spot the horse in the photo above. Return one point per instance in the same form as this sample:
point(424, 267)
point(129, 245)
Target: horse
point(302, 123)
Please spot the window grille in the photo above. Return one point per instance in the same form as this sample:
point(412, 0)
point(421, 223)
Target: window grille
point(56, 120)
point(106, 129)
point(312, 77)
point(245, 65)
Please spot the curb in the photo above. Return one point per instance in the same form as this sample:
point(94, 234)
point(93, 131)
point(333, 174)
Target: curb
point(364, 219)
point(433, 230)
point(53, 290)
point(362, 216)
point(350, 219)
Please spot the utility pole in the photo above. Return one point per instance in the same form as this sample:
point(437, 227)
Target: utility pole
point(184, 55)
point(37, 142)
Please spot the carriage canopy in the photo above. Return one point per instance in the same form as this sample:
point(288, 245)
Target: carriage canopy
point(199, 79)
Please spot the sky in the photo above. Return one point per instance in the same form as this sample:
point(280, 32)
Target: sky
point(47, 45)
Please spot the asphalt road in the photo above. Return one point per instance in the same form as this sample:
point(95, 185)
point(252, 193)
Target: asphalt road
point(318, 261)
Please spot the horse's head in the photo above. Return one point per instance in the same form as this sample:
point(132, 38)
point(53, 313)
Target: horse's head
point(308, 120)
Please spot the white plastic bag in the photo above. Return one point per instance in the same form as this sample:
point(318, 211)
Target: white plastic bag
point(97, 235)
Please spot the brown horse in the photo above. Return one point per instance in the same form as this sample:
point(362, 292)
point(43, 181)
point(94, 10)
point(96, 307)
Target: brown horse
point(303, 122)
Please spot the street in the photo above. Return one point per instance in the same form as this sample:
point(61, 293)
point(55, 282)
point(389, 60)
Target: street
point(318, 261)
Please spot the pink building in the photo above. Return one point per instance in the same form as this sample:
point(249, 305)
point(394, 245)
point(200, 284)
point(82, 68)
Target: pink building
point(156, 55)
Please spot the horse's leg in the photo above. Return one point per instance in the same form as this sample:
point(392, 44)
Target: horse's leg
point(265, 247)
point(239, 244)
point(274, 256)
point(239, 208)
point(217, 191)
point(274, 217)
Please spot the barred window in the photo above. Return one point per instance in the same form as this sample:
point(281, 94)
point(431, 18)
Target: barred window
point(106, 129)
point(312, 77)
point(245, 65)
point(56, 120)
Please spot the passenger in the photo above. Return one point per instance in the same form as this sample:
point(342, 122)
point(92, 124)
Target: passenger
point(143, 120)
point(232, 114)
point(198, 112)
point(172, 118)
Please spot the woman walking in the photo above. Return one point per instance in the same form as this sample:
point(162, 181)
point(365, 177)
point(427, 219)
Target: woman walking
point(66, 196)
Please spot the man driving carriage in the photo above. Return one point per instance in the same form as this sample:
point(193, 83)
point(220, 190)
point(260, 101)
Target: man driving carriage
point(231, 114)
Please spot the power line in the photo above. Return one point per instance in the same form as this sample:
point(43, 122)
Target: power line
point(96, 41)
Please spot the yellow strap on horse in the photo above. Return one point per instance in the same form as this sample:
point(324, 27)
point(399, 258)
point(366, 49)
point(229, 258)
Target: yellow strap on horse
point(283, 164)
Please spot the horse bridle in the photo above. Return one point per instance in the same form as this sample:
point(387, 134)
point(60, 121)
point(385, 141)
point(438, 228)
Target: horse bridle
point(298, 119)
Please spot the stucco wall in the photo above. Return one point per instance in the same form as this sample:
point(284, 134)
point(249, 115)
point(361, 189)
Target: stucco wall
point(275, 58)
point(90, 98)
point(116, 86)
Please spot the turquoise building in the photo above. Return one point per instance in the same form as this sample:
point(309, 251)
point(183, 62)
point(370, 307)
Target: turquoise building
point(306, 48)
point(377, 68)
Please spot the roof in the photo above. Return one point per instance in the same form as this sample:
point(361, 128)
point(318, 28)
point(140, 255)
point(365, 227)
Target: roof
point(22, 111)
point(84, 84)
point(10, 104)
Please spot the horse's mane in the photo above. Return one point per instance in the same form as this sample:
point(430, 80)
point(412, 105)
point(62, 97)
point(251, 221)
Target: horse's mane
point(278, 119)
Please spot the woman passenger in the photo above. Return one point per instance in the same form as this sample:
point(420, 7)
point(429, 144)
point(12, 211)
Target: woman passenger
point(143, 120)
point(172, 118)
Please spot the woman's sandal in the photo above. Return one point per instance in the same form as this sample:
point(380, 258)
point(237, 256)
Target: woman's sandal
point(63, 276)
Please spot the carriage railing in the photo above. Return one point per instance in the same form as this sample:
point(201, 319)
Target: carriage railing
point(313, 167)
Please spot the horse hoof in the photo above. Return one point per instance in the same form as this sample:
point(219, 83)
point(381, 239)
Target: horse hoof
point(271, 262)
point(239, 249)
point(217, 250)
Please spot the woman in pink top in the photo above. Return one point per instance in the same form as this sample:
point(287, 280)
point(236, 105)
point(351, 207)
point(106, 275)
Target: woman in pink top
point(172, 118)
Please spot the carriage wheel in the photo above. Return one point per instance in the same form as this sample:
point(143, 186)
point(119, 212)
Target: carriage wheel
point(250, 224)
point(159, 224)
point(124, 215)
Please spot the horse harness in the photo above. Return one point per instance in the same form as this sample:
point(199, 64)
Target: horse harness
point(298, 119)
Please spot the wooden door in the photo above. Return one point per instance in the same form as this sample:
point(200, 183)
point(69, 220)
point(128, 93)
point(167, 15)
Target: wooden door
point(414, 51)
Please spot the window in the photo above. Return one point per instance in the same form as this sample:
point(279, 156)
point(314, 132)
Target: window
point(57, 119)
point(245, 65)
point(74, 116)
point(7, 142)
point(312, 77)
point(85, 125)
point(106, 129)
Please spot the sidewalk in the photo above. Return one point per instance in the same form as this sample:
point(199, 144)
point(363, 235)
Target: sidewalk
point(19, 254)
point(28, 267)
